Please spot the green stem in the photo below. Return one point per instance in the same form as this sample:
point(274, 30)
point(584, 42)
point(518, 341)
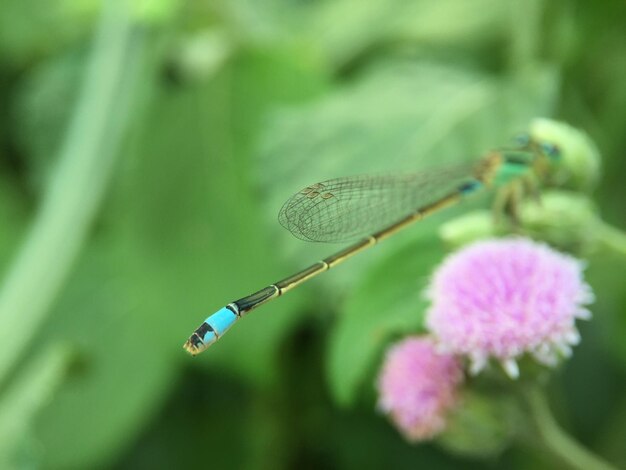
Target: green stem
point(612, 238)
point(77, 185)
point(557, 441)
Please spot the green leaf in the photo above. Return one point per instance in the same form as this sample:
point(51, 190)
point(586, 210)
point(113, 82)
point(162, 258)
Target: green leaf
point(28, 31)
point(13, 216)
point(343, 30)
point(387, 300)
point(401, 116)
point(42, 110)
point(124, 370)
point(30, 390)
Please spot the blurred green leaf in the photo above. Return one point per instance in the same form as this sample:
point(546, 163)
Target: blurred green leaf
point(612, 440)
point(594, 62)
point(123, 372)
point(388, 299)
point(31, 388)
point(42, 111)
point(344, 29)
point(235, 410)
point(27, 30)
point(399, 116)
point(13, 216)
point(606, 274)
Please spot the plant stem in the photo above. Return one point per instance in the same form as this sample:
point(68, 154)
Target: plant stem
point(77, 185)
point(557, 441)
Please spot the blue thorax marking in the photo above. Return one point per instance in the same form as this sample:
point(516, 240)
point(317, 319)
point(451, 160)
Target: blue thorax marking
point(470, 187)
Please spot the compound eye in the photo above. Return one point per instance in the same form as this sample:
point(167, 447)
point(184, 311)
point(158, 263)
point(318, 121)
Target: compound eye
point(523, 140)
point(550, 150)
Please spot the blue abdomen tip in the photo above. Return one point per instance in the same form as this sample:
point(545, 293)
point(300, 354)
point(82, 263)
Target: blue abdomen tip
point(222, 320)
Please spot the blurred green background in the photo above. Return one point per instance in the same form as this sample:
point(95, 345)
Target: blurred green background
point(145, 150)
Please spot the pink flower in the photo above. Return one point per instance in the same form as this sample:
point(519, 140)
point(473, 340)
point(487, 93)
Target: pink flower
point(503, 298)
point(417, 386)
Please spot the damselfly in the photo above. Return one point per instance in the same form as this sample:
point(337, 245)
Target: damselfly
point(379, 206)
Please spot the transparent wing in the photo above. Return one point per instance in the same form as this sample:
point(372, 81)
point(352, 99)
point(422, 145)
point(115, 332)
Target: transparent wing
point(342, 209)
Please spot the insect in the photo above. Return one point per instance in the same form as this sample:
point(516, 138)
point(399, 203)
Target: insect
point(375, 207)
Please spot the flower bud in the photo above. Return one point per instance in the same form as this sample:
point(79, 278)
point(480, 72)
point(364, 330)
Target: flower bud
point(467, 228)
point(578, 167)
point(564, 219)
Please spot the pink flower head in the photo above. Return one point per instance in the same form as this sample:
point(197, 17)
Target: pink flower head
point(417, 386)
point(503, 298)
